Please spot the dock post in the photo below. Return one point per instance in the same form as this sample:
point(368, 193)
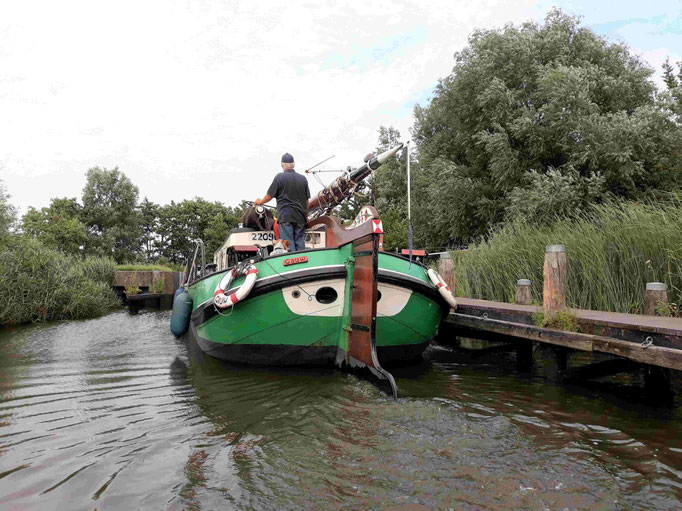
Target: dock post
point(656, 292)
point(446, 269)
point(523, 293)
point(554, 284)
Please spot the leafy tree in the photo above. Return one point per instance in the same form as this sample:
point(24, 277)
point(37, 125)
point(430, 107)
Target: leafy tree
point(673, 99)
point(149, 221)
point(7, 212)
point(110, 214)
point(57, 226)
point(182, 224)
point(388, 187)
point(536, 108)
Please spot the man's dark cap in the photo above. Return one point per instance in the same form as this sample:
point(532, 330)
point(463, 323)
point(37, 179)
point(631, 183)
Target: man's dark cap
point(287, 158)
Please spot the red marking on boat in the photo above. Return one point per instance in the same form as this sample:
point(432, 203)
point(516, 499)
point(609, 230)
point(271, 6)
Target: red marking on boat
point(406, 251)
point(295, 260)
point(245, 248)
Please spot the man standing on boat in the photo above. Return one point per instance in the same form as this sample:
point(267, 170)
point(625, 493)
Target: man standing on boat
point(292, 194)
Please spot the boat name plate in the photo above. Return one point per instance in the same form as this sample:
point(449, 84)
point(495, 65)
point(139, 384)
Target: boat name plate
point(362, 253)
point(295, 260)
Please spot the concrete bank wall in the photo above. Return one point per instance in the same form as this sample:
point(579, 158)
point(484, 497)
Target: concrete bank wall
point(145, 280)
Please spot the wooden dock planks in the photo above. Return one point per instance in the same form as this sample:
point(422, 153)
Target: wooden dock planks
point(644, 339)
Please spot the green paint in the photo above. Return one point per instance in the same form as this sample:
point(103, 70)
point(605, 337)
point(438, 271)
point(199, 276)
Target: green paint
point(267, 320)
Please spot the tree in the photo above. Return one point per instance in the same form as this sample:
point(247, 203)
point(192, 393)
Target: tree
point(7, 212)
point(110, 214)
point(672, 99)
point(182, 224)
point(528, 109)
point(386, 189)
point(149, 220)
point(57, 226)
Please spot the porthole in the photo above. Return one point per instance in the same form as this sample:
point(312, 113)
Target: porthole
point(378, 295)
point(326, 295)
point(295, 293)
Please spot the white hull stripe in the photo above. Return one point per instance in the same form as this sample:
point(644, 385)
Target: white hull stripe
point(285, 275)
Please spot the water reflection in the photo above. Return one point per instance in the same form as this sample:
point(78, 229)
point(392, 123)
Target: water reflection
point(116, 413)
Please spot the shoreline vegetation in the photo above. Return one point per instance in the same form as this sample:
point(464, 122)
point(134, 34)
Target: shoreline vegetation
point(613, 250)
point(40, 284)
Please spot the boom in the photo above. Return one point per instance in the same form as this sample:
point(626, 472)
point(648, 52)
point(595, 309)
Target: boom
point(343, 186)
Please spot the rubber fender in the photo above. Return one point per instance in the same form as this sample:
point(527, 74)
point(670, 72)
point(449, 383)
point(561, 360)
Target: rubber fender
point(182, 310)
point(177, 292)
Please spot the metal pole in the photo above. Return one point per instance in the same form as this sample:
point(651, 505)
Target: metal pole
point(409, 182)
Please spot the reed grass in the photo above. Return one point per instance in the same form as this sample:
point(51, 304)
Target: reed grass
point(42, 284)
point(612, 250)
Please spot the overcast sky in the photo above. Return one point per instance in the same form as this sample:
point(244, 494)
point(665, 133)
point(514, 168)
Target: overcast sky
point(201, 98)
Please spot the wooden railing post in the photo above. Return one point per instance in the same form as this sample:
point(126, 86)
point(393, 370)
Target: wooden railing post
point(523, 293)
point(554, 284)
point(656, 292)
point(446, 269)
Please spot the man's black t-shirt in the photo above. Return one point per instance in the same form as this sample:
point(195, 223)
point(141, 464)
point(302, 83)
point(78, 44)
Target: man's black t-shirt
point(292, 194)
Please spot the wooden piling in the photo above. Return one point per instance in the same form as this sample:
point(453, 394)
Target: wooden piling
point(446, 269)
point(656, 292)
point(554, 285)
point(523, 293)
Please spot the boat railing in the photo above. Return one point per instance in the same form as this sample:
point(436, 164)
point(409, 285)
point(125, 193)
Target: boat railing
point(194, 272)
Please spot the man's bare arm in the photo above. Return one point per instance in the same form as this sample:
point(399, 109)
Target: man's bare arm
point(264, 200)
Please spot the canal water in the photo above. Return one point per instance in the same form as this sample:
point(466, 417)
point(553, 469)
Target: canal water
point(114, 413)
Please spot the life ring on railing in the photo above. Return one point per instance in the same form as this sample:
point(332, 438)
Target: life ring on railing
point(221, 300)
point(442, 287)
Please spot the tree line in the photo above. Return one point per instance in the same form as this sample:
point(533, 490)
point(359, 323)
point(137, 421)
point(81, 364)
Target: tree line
point(110, 221)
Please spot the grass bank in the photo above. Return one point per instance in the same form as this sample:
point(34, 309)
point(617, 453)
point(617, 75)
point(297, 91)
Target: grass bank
point(41, 284)
point(612, 252)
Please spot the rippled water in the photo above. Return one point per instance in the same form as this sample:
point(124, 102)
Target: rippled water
point(114, 413)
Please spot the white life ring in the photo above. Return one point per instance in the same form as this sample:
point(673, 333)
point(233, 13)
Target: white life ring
point(222, 300)
point(442, 287)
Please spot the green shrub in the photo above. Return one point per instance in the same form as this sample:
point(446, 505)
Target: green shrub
point(158, 286)
point(667, 310)
point(561, 320)
point(612, 252)
point(41, 284)
point(99, 270)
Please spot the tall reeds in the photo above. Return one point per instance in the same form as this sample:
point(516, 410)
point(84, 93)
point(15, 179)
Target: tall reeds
point(613, 250)
point(41, 284)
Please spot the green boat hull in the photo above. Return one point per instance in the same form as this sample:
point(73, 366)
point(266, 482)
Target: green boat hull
point(299, 314)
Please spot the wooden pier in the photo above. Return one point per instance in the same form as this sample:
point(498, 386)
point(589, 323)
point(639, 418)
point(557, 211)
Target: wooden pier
point(622, 342)
point(644, 339)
